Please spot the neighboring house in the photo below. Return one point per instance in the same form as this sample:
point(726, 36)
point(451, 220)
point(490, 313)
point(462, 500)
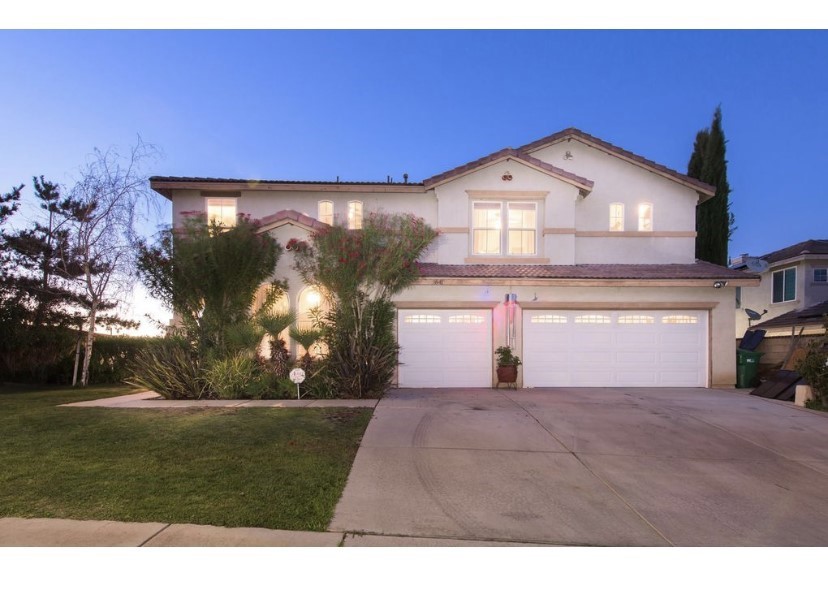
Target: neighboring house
point(594, 244)
point(792, 288)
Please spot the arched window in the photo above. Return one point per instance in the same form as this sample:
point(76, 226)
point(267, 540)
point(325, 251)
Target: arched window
point(645, 217)
point(354, 214)
point(616, 217)
point(326, 214)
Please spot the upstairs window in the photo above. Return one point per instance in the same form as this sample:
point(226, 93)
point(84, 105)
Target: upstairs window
point(820, 274)
point(354, 214)
point(645, 217)
point(326, 211)
point(519, 220)
point(222, 211)
point(784, 285)
point(616, 218)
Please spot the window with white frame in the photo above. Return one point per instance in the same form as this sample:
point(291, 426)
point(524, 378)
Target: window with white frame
point(645, 217)
point(616, 217)
point(784, 285)
point(222, 211)
point(505, 228)
point(326, 211)
point(820, 274)
point(354, 214)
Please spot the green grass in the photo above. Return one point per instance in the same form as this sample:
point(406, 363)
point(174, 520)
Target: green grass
point(256, 467)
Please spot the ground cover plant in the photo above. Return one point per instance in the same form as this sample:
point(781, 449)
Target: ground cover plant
point(273, 468)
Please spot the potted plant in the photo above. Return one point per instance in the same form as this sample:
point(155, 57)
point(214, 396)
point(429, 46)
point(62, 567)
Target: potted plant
point(507, 365)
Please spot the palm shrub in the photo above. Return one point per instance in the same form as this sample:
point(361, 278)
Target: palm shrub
point(361, 270)
point(274, 324)
point(305, 338)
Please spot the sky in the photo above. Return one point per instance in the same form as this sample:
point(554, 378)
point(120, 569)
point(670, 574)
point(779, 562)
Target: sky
point(362, 105)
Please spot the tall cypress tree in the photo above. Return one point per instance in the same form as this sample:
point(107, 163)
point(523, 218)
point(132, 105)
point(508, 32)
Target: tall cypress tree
point(714, 221)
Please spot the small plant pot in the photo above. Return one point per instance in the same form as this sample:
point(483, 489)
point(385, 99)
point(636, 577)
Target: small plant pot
point(507, 374)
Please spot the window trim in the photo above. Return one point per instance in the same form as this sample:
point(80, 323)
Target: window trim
point(504, 229)
point(209, 199)
point(320, 216)
point(652, 217)
point(353, 223)
point(618, 218)
point(773, 286)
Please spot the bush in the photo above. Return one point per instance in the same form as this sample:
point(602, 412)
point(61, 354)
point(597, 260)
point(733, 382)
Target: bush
point(814, 368)
point(170, 369)
point(239, 377)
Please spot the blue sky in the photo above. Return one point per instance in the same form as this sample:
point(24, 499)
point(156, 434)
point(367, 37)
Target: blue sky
point(364, 104)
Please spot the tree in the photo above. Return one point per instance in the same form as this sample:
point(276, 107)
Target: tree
point(361, 270)
point(209, 276)
point(714, 221)
point(105, 208)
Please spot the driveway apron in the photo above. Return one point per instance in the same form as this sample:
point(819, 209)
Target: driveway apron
point(614, 467)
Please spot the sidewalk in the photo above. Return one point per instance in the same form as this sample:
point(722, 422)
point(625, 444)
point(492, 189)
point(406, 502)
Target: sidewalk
point(150, 399)
point(72, 533)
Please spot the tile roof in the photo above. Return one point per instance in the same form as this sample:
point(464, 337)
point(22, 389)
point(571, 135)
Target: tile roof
point(812, 315)
point(578, 134)
point(254, 182)
point(295, 216)
point(810, 247)
point(696, 271)
point(582, 182)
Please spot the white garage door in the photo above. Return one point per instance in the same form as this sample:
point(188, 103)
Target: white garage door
point(615, 348)
point(445, 347)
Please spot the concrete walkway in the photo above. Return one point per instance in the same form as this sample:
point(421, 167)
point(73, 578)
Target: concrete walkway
point(150, 399)
point(611, 467)
point(70, 533)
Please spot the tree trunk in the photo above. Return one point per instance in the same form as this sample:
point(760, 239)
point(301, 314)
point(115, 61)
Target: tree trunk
point(90, 338)
point(77, 362)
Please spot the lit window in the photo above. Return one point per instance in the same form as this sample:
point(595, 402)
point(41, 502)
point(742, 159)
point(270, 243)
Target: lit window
point(548, 319)
point(326, 211)
point(422, 319)
point(521, 225)
point(645, 217)
point(222, 211)
point(784, 285)
point(820, 274)
point(593, 319)
point(616, 222)
point(355, 214)
point(636, 319)
point(310, 305)
point(680, 319)
point(474, 319)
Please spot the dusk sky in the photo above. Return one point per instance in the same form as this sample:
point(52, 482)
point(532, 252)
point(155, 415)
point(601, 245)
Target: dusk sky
point(363, 105)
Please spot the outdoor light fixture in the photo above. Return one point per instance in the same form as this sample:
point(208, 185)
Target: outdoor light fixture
point(720, 284)
point(510, 301)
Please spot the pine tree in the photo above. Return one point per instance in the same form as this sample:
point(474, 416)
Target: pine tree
point(714, 221)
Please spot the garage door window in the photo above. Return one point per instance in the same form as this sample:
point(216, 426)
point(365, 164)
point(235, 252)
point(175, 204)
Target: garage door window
point(472, 319)
point(636, 319)
point(593, 319)
point(548, 319)
point(680, 319)
point(422, 319)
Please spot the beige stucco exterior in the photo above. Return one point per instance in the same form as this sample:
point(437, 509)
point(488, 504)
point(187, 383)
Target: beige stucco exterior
point(573, 228)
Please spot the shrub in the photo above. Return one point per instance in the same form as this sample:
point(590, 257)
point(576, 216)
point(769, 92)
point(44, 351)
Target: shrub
point(238, 377)
point(814, 368)
point(170, 369)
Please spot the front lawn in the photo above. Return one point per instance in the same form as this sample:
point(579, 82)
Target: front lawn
point(256, 467)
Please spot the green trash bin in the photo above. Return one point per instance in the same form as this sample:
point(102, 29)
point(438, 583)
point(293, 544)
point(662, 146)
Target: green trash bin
point(747, 365)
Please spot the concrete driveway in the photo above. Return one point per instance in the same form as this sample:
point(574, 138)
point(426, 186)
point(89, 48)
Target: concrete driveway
point(616, 467)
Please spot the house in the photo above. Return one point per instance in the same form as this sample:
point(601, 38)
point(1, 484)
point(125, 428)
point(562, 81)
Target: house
point(793, 296)
point(577, 253)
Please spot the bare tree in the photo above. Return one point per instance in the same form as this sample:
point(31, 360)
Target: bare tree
point(108, 201)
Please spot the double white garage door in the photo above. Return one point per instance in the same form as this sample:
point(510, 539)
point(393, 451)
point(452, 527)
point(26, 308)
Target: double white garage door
point(453, 348)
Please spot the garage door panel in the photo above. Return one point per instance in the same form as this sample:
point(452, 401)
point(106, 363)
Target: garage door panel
point(615, 348)
point(445, 348)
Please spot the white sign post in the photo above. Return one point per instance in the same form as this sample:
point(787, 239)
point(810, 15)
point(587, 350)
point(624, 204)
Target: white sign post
point(297, 376)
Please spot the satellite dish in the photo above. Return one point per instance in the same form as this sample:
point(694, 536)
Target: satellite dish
point(754, 264)
point(753, 315)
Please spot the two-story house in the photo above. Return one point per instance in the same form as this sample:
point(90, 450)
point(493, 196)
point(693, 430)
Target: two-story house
point(792, 297)
point(577, 253)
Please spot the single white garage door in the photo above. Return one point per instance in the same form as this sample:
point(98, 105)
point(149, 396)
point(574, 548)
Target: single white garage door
point(445, 347)
point(615, 348)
